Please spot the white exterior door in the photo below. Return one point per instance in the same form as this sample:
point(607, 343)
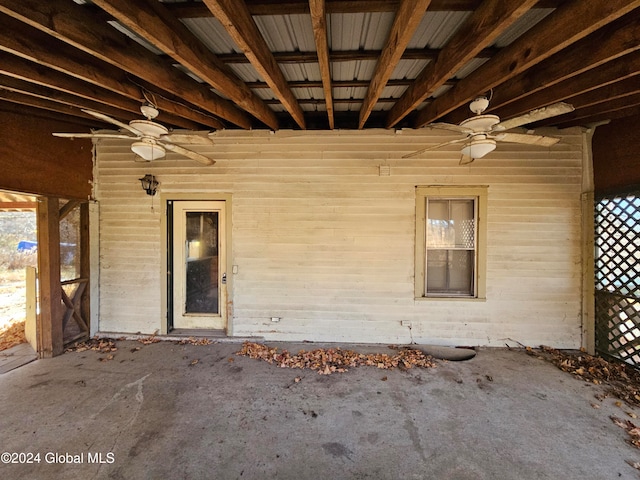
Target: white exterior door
point(199, 275)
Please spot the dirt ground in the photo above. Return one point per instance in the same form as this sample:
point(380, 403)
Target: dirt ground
point(12, 308)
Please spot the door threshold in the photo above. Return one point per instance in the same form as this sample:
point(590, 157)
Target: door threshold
point(198, 332)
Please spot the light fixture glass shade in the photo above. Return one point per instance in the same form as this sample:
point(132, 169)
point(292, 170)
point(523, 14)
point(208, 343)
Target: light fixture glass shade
point(148, 151)
point(479, 148)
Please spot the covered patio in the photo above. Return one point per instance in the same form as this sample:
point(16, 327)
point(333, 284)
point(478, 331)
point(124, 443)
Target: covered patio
point(166, 410)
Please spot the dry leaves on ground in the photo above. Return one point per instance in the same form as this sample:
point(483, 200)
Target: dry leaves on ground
point(631, 429)
point(102, 345)
point(149, 340)
point(12, 335)
point(336, 360)
point(622, 381)
point(194, 341)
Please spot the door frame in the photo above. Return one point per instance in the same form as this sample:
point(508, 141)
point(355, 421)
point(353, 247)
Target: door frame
point(166, 299)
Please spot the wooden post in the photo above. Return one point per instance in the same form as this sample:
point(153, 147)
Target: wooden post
point(31, 323)
point(50, 324)
point(85, 263)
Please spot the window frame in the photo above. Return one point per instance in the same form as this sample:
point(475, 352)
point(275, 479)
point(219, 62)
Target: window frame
point(477, 192)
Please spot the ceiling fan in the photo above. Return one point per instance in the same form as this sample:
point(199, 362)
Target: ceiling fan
point(483, 131)
point(152, 140)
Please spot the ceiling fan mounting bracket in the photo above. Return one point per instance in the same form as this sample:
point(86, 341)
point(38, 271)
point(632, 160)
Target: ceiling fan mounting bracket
point(149, 111)
point(479, 105)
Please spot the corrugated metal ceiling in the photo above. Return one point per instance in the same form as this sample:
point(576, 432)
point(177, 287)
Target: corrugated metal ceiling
point(347, 32)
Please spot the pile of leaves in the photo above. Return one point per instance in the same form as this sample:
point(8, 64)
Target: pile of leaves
point(12, 335)
point(336, 360)
point(101, 345)
point(622, 380)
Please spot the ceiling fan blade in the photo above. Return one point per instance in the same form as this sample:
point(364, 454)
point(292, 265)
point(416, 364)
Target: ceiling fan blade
point(549, 111)
point(528, 139)
point(466, 160)
point(434, 147)
point(451, 126)
point(108, 119)
point(189, 153)
point(93, 135)
point(188, 138)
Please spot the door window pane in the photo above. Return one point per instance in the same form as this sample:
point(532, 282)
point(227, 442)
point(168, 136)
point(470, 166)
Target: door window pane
point(202, 262)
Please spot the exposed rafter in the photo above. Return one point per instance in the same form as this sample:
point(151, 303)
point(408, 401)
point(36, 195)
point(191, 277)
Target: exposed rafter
point(349, 55)
point(168, 34)
point(477, 33)
point(22, 69)
point(293, 7)
point(69, 23)
point(621, 95)
point(319, 22)
point(239, 24)
point(407, 19)
point(607, 74)
point(603, 46)
point(318, 63)
point(570, 23)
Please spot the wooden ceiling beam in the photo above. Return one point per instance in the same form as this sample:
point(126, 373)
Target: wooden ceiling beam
point(290, 7)
point(598, 117)
point(237, 21)
point(319, 24)
point(404, 82)
point(336, 101)
point(597, 78)
point(405, 23)
point(571, 22)
point(349, 55)
point(27, 88)
point(480, 30)
point(36, 74)
point(28, 46)
point(19, 39)
point(44, 104)
point(613, 41)
point(72, 24)
point(39, 113)
point(153, 22)
point(12, 84)
point(618, 96)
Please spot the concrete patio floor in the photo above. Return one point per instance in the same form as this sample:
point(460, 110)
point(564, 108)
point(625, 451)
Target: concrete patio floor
point(151, 414)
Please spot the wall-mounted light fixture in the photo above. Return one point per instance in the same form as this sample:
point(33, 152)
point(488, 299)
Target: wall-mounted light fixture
point(149, 184)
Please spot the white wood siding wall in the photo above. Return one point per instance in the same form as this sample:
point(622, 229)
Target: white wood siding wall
point(327, 244)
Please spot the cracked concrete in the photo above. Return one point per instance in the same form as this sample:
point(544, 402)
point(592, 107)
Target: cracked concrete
point(151, 414)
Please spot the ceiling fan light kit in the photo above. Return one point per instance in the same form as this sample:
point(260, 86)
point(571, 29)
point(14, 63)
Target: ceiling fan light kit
point(482, 130)
point(479, 147)
point(148, 151)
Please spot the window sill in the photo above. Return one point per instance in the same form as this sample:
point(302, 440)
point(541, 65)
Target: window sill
point(450, 299)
